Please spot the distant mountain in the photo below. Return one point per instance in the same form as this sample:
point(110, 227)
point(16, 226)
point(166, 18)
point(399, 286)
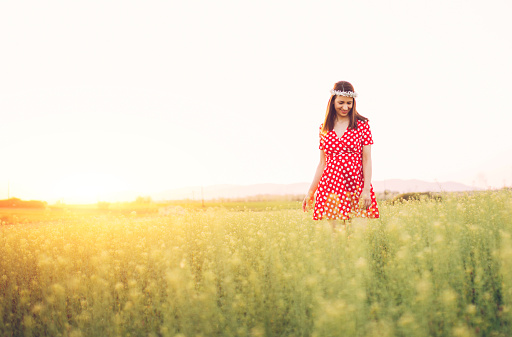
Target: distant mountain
point(241, 191)
point(413, 185)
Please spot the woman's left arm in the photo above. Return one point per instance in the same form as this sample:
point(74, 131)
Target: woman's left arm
point(367, 174)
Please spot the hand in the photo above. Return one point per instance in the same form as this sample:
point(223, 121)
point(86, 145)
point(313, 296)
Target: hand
point(308, 201)
point(365, 198)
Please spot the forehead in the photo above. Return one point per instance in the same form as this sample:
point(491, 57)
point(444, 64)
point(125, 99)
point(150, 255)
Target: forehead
point(340, 99)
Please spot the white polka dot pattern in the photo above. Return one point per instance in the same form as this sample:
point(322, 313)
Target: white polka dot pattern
point(341, 184)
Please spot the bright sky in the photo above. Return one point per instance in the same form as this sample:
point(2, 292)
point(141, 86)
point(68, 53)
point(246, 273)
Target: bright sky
point(106, 96)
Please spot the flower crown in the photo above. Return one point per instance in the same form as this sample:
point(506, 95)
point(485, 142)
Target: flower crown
point(343, 93)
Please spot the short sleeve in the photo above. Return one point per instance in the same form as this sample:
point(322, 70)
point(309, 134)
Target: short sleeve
point(322, 138)
point(366, 134)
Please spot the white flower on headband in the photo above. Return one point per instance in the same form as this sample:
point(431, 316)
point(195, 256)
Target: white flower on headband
point(343, 93)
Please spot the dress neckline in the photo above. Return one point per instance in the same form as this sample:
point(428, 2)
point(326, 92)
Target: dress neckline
point(336, 134)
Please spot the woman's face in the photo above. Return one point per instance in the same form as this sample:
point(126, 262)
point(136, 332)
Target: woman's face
point(342, 105)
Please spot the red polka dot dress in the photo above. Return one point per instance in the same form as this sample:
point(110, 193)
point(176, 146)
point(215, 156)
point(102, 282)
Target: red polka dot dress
point(341, 184)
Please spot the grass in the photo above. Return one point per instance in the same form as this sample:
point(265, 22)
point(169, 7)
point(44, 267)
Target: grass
point(32, 215)
point(425, 268)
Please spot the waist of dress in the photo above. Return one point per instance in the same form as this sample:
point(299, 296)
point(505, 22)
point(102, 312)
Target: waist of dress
point(340, 154)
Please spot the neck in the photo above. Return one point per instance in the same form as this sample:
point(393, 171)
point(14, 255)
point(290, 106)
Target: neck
point(342, 119)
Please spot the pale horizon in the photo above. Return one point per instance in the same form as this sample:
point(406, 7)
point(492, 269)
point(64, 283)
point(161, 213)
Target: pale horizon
point(101, 97)
point(195, 192)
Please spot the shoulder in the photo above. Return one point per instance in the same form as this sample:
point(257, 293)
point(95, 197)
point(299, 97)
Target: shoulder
point(363, 124)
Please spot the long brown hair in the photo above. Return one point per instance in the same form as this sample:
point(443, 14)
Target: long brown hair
point(330, 113)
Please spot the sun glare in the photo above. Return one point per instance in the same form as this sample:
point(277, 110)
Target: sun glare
point(86, 188)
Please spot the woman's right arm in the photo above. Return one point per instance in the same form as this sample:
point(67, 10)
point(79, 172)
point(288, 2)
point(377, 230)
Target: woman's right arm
point(308, 200)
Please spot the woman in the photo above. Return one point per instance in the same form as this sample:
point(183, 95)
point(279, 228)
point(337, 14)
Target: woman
point(342, 180)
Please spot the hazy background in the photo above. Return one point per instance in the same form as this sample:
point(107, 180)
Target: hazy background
point(105, 96)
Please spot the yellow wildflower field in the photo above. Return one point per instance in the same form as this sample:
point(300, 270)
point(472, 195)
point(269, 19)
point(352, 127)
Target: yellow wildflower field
point(425, 268)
